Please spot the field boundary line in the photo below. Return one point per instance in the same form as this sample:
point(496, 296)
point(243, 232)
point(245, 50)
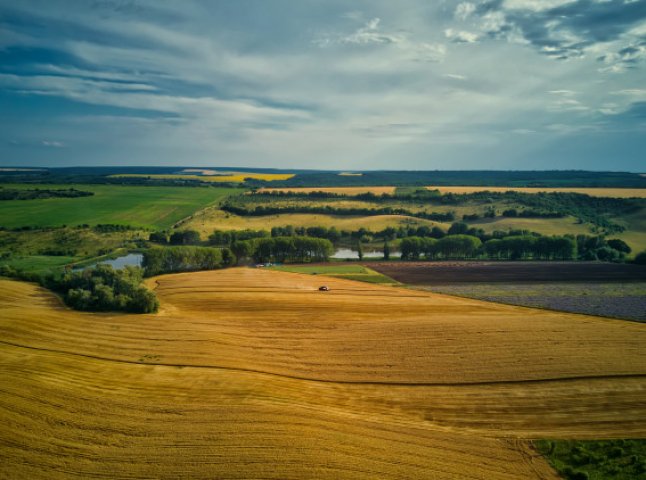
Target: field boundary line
point(340, 382)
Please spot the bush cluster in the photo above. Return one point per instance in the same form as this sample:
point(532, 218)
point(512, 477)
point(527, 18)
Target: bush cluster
point(103, 288)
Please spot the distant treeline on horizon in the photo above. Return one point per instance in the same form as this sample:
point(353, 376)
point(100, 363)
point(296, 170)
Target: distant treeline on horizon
point(358, 178)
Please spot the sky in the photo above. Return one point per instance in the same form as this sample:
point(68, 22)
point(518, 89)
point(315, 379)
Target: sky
point(324, 84)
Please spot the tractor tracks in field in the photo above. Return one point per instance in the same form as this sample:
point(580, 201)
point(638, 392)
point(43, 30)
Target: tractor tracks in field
point(323, 380)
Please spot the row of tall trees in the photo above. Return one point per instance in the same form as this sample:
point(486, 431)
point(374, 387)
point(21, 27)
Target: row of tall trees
point(529, 247)
point(242, 209)
point(284, 249)
point(510, 248)
point(185, 259)
point(450, 247)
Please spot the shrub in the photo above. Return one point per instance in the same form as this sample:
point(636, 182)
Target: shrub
point(105, 289)
point(640, 258)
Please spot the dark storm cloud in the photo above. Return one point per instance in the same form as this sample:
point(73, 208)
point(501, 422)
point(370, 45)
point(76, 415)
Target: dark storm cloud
point(565, 31)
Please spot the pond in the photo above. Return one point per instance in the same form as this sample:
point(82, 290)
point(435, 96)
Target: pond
point(132, 259)
point(347, 253)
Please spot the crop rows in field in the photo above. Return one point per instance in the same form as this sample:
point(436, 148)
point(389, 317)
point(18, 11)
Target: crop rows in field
point(149, 207)
point(617, 300)
point(254, 373)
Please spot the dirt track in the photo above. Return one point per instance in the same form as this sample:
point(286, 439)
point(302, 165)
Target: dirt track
point(439, 273)
point(251, 373)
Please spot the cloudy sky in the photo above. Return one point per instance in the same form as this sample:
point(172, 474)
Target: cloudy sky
point(411, 84)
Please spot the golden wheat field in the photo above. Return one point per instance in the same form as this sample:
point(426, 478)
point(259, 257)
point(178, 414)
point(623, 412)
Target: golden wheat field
point(235, 177)
point(247, 373)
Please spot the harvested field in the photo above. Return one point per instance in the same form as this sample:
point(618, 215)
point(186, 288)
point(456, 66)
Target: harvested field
point(442, 273)
point(248, 373)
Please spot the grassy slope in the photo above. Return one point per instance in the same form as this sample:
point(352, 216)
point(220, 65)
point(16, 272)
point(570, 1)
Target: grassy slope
point(225, 382)
point(39, 263)
point(211, 219)
point(148, 207)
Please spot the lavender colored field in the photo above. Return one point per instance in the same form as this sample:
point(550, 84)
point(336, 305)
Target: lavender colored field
point(618, 300)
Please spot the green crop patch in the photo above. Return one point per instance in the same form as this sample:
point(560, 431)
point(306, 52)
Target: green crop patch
point(145, 207)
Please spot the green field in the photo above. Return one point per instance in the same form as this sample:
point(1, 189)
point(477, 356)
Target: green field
point(596, 460)
point(349, 272)
point(137, 206)
point(39, 264)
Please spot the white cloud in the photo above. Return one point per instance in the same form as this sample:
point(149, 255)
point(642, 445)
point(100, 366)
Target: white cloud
point(460, 36)
point(464, 10)
point(52, 144)
point(454, 76)
point(535, 5)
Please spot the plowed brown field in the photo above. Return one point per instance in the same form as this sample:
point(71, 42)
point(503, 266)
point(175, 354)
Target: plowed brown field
point(248, 373)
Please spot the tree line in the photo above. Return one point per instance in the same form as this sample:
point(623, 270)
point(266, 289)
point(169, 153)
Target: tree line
point(468, 247)
point(284, 249)
point(263, 210)
point(587, 247)
point(159, 260)
point(38, 193)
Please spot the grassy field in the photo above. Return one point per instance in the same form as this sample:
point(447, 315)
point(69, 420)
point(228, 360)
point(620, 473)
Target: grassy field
point(147, 207)
point(232, 380)
point(235, 177)
point(210, 219)
point(39, 264)
point(349, 272)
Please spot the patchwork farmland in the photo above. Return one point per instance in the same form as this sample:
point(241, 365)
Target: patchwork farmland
point(231, 379)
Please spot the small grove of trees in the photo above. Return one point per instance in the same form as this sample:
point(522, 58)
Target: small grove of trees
point(185, 237)
point(598, 248)
point(284, 249)
point(103, 288)
point(185, 259)
point(224, 238)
